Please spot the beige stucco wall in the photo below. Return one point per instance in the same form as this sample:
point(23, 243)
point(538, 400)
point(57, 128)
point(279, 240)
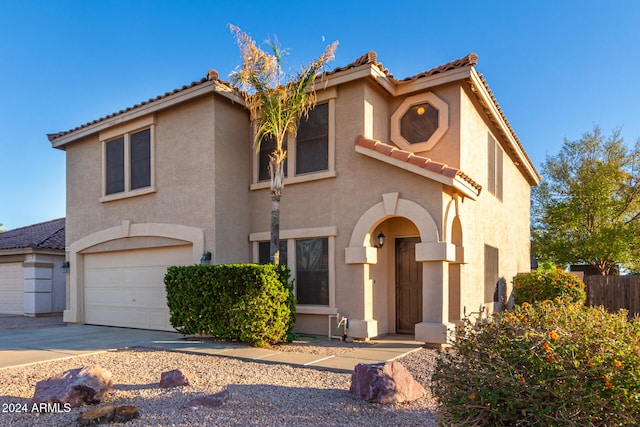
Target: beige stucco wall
point(203, 175)
point(447, 149)
point(359, 184)
point(501, 224)
point(189, 138)
point(233, 151)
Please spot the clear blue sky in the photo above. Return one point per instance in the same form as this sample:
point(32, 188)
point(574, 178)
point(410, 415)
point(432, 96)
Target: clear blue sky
point(557, 68)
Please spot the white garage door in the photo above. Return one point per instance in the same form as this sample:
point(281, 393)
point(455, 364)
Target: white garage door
point(11, 288)
point(126, 288)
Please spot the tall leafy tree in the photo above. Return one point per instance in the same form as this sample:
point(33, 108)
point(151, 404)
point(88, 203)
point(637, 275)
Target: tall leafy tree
point(587, 208)
point(276, 100)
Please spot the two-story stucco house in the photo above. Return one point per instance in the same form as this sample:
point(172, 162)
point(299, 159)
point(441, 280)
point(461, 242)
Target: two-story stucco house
point(429, 164)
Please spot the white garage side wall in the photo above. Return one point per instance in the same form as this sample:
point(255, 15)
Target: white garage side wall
point(75, 312)
point(44, 284)
point(11, 288)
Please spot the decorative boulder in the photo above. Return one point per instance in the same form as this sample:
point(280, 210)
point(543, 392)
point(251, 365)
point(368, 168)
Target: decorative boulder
point(209, 401)
point(77, 387)
point(107, 414)
point(175, 378)
point(386, 382)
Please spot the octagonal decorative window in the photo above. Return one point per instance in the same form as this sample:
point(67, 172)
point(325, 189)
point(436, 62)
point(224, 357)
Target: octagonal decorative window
point(419, 122)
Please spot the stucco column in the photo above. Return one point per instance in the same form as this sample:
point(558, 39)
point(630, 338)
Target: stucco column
point(38, 285)
point(361, 321)
point(435, 258)
point(74, 313)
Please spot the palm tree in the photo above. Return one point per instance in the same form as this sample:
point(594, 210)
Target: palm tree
point(276, 101)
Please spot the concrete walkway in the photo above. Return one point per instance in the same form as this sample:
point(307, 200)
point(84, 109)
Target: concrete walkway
point(39, 345)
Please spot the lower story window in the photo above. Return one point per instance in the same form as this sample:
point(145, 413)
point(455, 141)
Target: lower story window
point(491, 272)
point(312, 271)
point(264, 252)
point(312, 268)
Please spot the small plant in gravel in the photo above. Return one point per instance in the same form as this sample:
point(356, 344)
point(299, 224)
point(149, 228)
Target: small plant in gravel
point(548, 363)
point(547, 284)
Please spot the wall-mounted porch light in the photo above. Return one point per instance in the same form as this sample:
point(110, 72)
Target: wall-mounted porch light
point(380, 240)
point(65, 267)
point(206, 258)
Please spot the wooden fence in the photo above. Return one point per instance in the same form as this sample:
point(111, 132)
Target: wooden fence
point(614, 292)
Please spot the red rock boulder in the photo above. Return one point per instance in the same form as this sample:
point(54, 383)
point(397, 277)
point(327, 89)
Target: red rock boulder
point(77, 387)
point(387, 382)
point(175, 378)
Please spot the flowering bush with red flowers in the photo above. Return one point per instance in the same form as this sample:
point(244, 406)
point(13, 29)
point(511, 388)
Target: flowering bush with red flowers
point(547, 363)
point(548, 284)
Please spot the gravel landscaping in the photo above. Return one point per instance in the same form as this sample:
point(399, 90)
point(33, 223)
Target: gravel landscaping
point(261, 394)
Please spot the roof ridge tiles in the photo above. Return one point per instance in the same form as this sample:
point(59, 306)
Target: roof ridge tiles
point(469, 60)
point(369, 58)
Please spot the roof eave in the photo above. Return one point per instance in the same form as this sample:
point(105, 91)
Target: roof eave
point(524, 161)
point(213, 86)
point(406, 87)
point(352, 74)
point(31, 250)
point(455, 182)
point(392, 86)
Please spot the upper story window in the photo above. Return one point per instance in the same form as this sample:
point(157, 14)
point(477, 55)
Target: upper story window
point(312, 141)
point(310, 155)
point(419, 122)
point(494, 179)
point(128, 160)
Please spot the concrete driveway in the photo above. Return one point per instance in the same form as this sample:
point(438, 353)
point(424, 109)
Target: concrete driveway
point(30, 340)
point(20, 347)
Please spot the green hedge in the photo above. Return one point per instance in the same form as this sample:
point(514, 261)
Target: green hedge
point(246, 302)
point(547, 285)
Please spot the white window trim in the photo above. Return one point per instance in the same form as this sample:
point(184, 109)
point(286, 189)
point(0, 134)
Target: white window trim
point(125, 130)
point(306, 233)
point(326, 96)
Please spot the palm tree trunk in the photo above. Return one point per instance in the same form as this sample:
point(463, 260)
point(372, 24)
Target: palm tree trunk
point(276, 170)
point(274, 246)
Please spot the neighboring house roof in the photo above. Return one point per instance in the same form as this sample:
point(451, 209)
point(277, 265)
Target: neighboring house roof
point(419, 164)
point(44, 235)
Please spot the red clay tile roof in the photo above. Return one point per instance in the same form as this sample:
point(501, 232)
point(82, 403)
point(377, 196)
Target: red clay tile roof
point(414, 159)
point(44, 235)
point(504, 117)
point(211, 75)
point(469, 60)
point(368, 58)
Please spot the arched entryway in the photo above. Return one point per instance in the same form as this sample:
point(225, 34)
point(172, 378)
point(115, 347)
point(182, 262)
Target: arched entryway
point(401, 219)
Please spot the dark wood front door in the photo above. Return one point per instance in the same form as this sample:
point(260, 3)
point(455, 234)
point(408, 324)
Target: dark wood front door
point(408, 286)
